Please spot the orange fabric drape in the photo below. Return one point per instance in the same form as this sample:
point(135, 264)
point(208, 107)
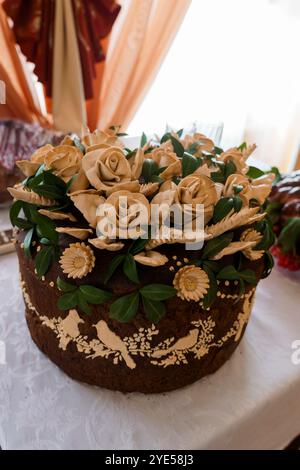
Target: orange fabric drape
point(19, 99)
point(143, 34)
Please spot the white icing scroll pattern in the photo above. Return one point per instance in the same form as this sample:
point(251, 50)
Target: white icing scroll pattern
point(198, 341)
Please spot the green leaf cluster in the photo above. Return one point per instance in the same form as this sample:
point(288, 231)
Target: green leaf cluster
point(152, 296)
point(127, 261)
point(80, 296)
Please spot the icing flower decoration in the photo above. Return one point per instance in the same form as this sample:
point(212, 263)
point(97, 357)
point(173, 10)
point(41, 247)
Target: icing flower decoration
point(237, 158)
point(200, 143)
point(252, 235)
point(199, 189)
point(136, 214)
point(99, 139)
point(166, 159)
point(191, 283)
point(238, 185)
point(65, 160)
point(108, 170)
point(77, 260)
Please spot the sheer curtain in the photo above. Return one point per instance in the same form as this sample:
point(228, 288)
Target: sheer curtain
point(234, 61)
point(141, 38)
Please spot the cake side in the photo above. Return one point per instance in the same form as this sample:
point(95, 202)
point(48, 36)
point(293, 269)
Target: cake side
point(189, 343)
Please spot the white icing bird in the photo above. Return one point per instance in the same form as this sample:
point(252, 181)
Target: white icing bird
point(186, 342)
point(114, 342)
point(69, 328)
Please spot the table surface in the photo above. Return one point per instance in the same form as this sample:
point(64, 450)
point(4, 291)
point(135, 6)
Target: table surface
point(252, 402)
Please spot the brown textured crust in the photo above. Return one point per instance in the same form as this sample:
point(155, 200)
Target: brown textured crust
point(145, 377)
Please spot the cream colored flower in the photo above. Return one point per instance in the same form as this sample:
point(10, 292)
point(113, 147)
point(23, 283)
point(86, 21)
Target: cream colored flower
point(77, 260)
point(237, 158)
point(107, 169)
point(200, 142)
point(99, 139)
point(191, 283)
point(198, 189)
point(238, 185)
point(39, 155)
point(125, 213)
point(65, 160)
point(166, 158)
point(252, 235)
point(151, 258)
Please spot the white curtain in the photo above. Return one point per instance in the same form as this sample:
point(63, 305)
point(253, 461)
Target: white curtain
point(236, 62)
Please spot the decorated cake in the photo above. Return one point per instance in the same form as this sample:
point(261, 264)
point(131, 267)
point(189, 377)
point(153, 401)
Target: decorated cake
point(139, 266)
point(284, 213)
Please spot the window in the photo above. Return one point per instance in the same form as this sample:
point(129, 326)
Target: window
point(234, 61)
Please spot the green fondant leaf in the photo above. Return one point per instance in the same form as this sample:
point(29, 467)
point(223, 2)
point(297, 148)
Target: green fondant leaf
point(229, 273)
point(248, 275)
point(65, 286)
point(222, 208)
point(158, 292)
point(143, 140)
point(43, 260)
point(93, 295)
point(177, 146)
point(154, 310)
point(27, 243)
point(68, 301)
point(113, 266)
point(82, 304)
point(125, 308)
point(129, 269)
point(189, 164)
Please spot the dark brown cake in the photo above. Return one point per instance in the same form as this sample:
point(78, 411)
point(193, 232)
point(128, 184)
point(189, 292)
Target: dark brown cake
point(144, 315)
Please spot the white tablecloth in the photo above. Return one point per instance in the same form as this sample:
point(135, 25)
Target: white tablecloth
point(251, 402)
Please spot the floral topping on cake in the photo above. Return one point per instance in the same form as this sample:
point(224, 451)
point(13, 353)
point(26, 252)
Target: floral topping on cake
point(151, 258)
point(251, 235)
point(70, 190)
point(191, 283)
point(77, 260)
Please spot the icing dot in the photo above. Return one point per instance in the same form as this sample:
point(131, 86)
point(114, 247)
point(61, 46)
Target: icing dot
point(179, 263)
point(226, 283)
point(223, 296)
point(236, 283)
point(38, 248)
point(218, 293)
point(174, 257)
point(51, 284)
point(171, 268)
point(185, 260)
